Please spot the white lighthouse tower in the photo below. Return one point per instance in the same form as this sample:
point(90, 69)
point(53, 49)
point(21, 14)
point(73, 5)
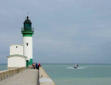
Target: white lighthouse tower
point(27, 33)
point(22, 55)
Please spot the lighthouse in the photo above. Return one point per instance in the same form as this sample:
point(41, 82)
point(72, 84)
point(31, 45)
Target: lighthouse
point(27, 32)
point(21, 55)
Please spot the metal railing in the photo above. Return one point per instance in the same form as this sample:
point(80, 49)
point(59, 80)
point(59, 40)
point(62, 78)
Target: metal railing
point(23, 29)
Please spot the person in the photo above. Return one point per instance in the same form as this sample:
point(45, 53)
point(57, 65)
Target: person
point(37, 66)
point(27, 63)
point(33, 65)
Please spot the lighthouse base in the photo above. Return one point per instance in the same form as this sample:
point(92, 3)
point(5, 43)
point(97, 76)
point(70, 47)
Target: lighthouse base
point(29, 62)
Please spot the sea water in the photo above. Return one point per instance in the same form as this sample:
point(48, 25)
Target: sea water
point(84, 75)
point(3, 67)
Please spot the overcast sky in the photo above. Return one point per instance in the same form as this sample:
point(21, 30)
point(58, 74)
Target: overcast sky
point(66, 31)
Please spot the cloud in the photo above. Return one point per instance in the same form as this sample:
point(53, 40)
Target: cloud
point(65, 30)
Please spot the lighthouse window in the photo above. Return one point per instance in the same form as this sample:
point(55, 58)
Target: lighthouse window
point(27, 44)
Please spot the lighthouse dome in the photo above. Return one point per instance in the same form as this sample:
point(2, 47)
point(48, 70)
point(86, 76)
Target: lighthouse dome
point(27, 24)
point(27, 29)
point(27, 21)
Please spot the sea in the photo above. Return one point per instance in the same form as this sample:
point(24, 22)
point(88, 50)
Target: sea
point(85, 74)
point(3, 67)
point(65, 74)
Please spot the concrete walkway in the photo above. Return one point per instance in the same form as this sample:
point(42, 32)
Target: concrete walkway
point(27, 77)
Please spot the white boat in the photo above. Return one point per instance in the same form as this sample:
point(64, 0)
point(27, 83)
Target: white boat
point(76, 66)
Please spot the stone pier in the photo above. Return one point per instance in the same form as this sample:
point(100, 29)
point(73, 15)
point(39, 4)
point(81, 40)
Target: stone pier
point(27, 77)
point(23, 76)
point(44, 78)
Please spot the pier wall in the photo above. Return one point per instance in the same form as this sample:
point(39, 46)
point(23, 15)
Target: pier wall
point(44, 79)
point(23, 76)
point(7, 73)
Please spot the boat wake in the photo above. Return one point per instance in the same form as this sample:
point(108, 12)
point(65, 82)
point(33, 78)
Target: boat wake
point(70, 67)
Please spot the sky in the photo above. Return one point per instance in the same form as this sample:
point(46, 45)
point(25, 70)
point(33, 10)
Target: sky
point(65, 31)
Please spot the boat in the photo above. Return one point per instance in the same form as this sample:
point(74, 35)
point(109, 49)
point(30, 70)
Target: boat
point(76, 66)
